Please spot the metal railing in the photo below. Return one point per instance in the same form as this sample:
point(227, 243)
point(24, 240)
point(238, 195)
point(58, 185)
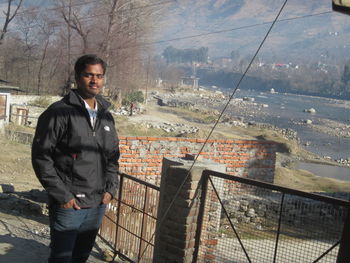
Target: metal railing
point(261, 222)
point(241, 220)
point(130, 219)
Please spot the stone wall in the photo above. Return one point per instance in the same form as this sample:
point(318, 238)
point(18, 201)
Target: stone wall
point(21, 137)
point(142, 156)
point(260, 211)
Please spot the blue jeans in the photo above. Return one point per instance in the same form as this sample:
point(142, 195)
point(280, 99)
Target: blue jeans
point(73, 233)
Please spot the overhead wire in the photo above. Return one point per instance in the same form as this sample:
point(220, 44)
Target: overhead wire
point(213, 32)
point(212, 130)
point(228, 30)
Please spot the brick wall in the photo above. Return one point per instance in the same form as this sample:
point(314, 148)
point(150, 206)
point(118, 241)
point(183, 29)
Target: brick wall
point(142, 156)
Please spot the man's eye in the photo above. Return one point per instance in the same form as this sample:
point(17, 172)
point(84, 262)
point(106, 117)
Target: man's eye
point(91, 75)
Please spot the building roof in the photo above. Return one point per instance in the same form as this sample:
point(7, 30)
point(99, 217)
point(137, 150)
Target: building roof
point(3, 81)
point(9, 88)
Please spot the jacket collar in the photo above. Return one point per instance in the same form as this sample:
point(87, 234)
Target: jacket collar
point(74, 99)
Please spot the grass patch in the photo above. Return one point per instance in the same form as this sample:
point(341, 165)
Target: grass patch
point(191, 115)
point(42, 102)
point(139, 130)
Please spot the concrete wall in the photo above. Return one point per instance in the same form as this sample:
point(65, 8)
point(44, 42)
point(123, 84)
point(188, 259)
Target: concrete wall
point(27, 99)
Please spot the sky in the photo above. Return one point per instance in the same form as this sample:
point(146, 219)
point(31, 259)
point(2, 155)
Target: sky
point(306, 28)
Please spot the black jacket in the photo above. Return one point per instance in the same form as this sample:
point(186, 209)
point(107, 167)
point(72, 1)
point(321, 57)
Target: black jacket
point(70, 157)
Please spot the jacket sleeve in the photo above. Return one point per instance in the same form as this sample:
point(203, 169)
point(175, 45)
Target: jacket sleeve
point(49, 131)
point(112, 168)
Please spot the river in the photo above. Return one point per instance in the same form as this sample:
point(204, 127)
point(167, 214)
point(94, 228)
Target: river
point(286, 110)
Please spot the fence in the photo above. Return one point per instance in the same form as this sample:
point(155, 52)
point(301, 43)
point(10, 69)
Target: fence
point(130, 219)
point(253, 222)
point(261, 222)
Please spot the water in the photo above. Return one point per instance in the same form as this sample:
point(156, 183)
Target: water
point(340, 173)
point(285, 109)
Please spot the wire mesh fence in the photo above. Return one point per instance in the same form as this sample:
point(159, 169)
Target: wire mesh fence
point(265, 223)
point(130, 219)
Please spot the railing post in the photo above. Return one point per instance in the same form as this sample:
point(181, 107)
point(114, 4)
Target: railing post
point(121, 182)
point(204, 188)
point(344, 251)
point(143, 224)
point(178, 210)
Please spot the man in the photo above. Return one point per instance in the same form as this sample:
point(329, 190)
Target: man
point(75, 156)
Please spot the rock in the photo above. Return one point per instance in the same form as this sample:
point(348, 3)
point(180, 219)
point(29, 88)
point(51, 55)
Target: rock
point(308, 121)
point(7, 188)
point(311, 110)
point(4, 196)
point(248, 99)
point(108, 255)
point(250, 213)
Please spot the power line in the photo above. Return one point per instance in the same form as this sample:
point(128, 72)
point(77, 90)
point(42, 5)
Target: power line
point(211, 33)
point(216, 123)
point(231, 29)
point(58, 24)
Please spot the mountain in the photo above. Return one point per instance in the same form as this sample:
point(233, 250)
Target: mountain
point(306, 28)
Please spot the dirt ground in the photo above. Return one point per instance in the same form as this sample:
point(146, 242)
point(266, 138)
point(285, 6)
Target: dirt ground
point(24, 235)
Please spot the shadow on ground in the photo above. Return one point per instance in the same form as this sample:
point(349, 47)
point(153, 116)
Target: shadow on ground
point(19, 250)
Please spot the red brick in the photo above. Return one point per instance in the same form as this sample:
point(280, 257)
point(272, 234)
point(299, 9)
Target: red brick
point(153, 139)
point(211, 242)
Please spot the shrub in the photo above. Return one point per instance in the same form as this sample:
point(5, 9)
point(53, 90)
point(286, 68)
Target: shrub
point(132, 97)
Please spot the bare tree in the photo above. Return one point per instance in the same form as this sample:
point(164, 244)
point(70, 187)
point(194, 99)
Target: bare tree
point(46, 30)
point(26, 26)
point(73, 19)
point(9, 16)
point(44, 42)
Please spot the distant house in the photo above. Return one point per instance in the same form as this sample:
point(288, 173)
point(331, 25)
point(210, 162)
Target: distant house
point(5, 100)
point(190, 81)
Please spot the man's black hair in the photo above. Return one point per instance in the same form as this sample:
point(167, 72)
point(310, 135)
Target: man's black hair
point(85, 60)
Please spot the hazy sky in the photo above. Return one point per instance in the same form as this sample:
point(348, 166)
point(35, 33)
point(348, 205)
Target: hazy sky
point(240, 25)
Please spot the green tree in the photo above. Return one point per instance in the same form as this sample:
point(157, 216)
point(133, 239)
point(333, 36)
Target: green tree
point(132, 97)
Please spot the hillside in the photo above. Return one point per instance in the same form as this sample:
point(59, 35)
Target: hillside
point(306, 28)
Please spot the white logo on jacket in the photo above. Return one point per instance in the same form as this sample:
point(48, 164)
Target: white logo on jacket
point(106, 128)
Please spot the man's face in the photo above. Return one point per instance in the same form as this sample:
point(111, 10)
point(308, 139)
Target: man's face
point(91, 80)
